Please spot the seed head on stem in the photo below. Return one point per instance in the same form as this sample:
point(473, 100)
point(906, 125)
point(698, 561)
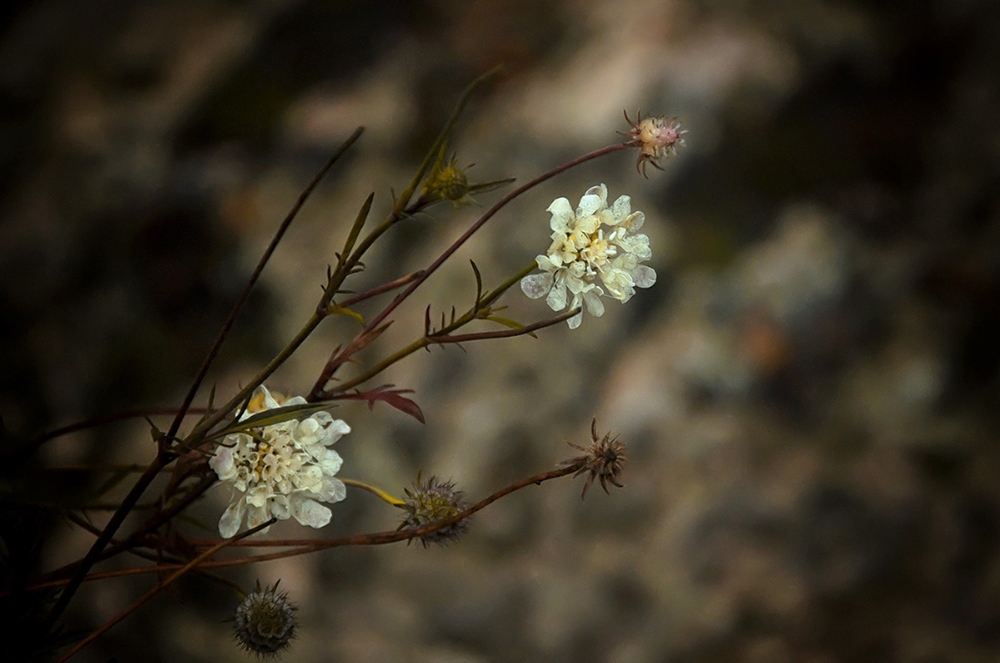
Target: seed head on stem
point(603, 460)
point(656, 138)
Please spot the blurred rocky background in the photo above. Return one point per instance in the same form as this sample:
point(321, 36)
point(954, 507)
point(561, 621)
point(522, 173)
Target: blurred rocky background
point(809, 393)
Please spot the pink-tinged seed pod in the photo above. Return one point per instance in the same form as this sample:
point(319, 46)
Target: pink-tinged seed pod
point(656, 138)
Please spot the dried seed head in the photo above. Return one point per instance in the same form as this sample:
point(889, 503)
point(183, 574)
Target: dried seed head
point(604, 460)
point(431, 501)
point(656, 138)
point(265, 621)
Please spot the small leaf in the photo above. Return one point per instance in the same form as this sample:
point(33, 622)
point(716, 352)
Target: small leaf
point(334, 309)
point(483, 187)
point(390, 396)
point(479, 283)
point(273, 416)
point(507, 322)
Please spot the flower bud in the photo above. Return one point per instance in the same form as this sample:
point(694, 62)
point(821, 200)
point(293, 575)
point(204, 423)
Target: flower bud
point(448, 182)
point(431, 501)
point(265, 621)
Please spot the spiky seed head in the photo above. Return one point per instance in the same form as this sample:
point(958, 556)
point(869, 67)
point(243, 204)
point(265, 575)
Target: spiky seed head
point(604, 459)
point(265, 621)
point(431, 501)
point(656, 138)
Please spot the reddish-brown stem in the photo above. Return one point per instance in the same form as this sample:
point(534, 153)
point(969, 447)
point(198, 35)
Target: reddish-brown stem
point(333, 364)
point(153, 592)
point(378, 290)
point(502, 333)
point(103, 421)
point(158, 519)
point(303, 546)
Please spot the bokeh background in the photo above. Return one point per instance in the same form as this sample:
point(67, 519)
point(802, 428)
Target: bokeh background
point(809, 393)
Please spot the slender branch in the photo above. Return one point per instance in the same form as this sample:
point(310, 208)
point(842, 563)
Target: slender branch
point(378, 290)
point(155, 522)
point(102, 541)
point(153, 592)
point(206, 424)
point(163, 458)
point(402, 206)
point(303, 546)
point(33, 446)
point(382, 538)
point(252, 281)
point(503, 333)
point(494, 294)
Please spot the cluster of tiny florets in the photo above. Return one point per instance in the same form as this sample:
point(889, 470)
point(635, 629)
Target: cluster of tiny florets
point(595, 251)
point(656, 138)
point(265, 621)
point(603, 460)
point(431, 501)
point(281, 471)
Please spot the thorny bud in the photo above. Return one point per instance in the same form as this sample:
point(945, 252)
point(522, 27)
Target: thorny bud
point(448, 182)
point(431, 501)
point(265, 621)
point(656, 137)
point(603, 460)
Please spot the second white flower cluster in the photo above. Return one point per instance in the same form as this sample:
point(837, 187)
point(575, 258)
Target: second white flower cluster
point(595, 251)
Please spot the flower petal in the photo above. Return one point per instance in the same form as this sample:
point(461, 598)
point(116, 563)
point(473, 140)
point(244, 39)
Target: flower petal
point(575, 321)
point(330, 462)
point(332, 490)
point(223, 464)
point(557, 297)
point(232, 517)
point(256, 515)
point(336, 429)
point(591, 203)
point(536, 286)
point(634, 221)
point(643, 276)
point(280, 507)
point(621, 208)
point(309, 512)
point(269, 402)
point(562, 214)
point(595, 306)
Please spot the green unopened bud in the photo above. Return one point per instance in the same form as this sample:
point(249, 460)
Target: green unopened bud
point(447, 182)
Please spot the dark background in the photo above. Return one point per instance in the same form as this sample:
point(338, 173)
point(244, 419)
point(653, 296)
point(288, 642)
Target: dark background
point(809, 393)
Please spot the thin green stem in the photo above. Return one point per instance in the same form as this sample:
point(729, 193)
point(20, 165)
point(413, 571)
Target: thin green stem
point(381, 494)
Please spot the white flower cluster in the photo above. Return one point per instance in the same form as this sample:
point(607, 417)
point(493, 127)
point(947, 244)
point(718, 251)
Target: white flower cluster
point(596, 243)
point(282, 470)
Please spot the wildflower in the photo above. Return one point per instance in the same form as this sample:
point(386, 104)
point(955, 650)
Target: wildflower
point(656, 137)
point(603, 460)
point(282, 470)
point(593, 244)
point(431, 501)
point(265, 621)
